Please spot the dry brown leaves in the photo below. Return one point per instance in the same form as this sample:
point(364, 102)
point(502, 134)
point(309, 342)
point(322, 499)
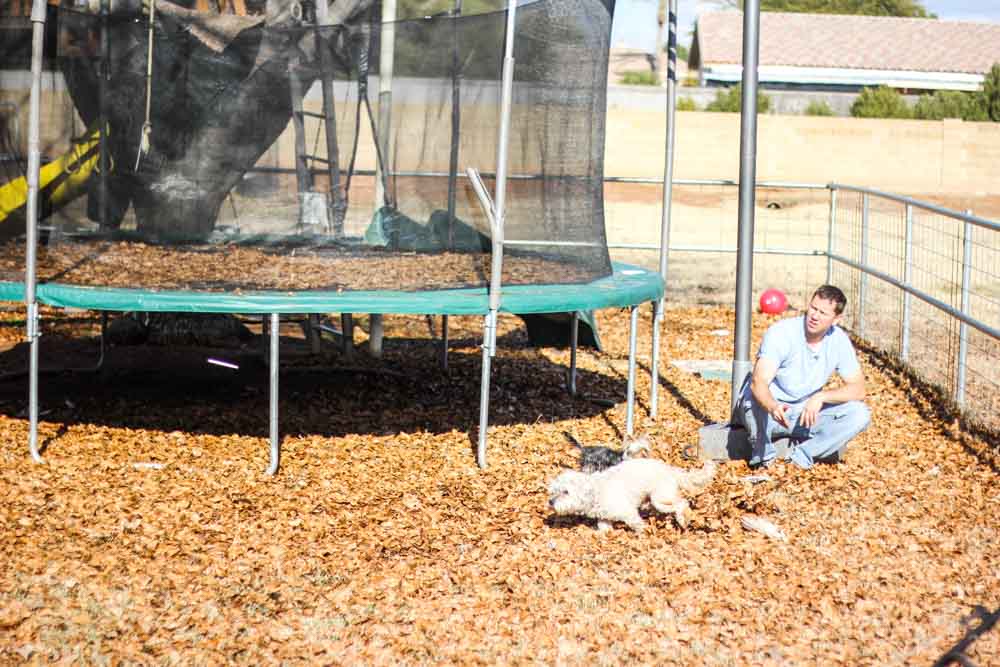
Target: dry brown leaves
point(152, 537)
point(142, 266)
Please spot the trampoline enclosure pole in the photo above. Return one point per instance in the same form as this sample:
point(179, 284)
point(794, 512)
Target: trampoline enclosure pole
point(748, 180)
point(496, 265)
point(668, 182)
point(630, 399)
point(386, 65)
point(38, 10)
point(456, 101)
point(574, 337)
point(273, 396)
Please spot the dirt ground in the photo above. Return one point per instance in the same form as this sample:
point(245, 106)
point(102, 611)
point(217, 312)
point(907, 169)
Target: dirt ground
point(152, 536)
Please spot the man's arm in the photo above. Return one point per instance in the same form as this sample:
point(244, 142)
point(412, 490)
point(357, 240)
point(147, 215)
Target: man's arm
point(853, 389)
point(764, 371)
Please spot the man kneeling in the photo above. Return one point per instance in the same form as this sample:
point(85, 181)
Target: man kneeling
point(784, 397)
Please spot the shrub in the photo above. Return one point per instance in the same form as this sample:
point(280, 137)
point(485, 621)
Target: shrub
point(686, 104)
point(880, 102)
point(690, 81)
point(950, 104)
point(818, 108)
point(639, 78)
point(990, 95)
point(730, 100)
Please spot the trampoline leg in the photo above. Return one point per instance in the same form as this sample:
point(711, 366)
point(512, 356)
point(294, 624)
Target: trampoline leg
point(484, 388)
point(376, 333)
point(273, 395)
point(444, 342)
point(630, 402)
point(33, 335)
point(312, 332)
point(654, 364)
point(104, 331)
point(574, 334)
point(347, 326)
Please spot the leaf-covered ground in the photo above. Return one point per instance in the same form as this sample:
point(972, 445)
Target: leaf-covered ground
point(151, 535)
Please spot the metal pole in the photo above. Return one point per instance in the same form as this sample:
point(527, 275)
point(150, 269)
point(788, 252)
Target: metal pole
point(376, 334)
point(273, 395)
point(312, 332)
point(830, 236)
point(668, 180)
point(456, 99)
point(904, 346)
point(748, 179)
point(38, 9)
point(630, 398)
point(574, 337)
point(963, 328)
point(863, 288)
point(668, 162)
point(444, 342)
point(496, 265)
point(654, 367)
point(386, 64)
point(347, 327)
point(103, 79)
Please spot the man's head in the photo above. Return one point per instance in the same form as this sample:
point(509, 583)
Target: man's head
point(825, 309)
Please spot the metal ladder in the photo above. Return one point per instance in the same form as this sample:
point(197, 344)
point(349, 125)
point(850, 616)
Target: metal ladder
point(318, 211)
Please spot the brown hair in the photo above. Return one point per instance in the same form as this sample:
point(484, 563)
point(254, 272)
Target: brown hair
point(832, 294)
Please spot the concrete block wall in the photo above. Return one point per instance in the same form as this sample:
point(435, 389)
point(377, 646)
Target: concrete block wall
point(905, 156)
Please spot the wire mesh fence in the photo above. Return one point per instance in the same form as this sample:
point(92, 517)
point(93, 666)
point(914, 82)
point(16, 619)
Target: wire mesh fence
point(790, 236)
point(922, 281)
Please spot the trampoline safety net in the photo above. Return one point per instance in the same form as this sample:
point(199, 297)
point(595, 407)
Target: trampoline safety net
point(288, 146)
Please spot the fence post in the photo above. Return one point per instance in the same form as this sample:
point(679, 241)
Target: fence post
point(963, 328)
point(904, 347)
point(863, 289)
point(829, 236)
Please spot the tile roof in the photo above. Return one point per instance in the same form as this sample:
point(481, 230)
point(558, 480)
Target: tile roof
point(857, 42)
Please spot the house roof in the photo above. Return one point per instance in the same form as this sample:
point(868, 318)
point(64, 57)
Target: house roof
point(850, 42)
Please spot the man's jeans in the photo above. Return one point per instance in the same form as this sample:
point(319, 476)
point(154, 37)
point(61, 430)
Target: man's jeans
point(826, 439)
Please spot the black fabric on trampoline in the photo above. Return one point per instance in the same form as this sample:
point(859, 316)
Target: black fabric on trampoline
point(231, 182)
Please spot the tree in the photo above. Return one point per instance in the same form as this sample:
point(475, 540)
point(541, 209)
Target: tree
point(731, 100)
point(818, 108)
point(880, 102)
point(686, 104)
point(950, 104)
point(990, 94)
point(907, 8)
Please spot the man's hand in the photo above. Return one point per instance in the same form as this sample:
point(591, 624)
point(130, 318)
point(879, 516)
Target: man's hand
point(763, 372)
point(810, 411)
point(778, 414)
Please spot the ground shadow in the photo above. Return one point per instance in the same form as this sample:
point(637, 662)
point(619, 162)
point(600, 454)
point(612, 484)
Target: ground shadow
point(170, 388)
point(935, 407)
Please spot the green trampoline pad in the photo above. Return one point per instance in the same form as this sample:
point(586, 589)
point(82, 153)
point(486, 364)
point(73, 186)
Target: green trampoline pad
point(628, 285)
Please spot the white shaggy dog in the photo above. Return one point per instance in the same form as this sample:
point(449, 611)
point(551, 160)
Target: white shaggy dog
point(615, 494)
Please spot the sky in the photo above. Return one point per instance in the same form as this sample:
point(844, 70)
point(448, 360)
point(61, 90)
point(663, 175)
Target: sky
point(635, 20)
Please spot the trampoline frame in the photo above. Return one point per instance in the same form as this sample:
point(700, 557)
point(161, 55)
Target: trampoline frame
point(487, 302)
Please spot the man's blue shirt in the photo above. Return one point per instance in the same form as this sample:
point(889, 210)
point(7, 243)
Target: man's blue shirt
point(801, 371)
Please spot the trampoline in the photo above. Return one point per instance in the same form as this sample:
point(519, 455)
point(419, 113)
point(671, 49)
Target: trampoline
point(223, 166)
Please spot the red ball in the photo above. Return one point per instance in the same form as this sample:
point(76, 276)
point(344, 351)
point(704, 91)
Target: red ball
point(773, 301)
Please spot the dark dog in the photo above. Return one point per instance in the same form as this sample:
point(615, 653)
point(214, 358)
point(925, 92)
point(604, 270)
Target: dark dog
point(594, 458)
